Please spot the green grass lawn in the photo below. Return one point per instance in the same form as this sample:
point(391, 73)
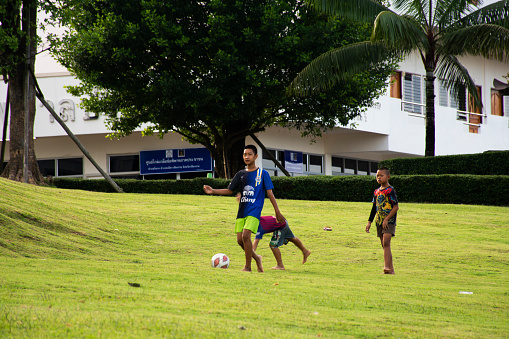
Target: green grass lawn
point(66, 258)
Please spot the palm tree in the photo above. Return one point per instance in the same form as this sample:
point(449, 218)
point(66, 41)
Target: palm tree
point(439, 30)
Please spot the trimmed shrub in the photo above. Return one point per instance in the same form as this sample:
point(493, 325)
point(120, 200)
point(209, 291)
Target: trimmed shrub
point(184, 186)
point(442, 189)
point(487, 163)
point(453, 189)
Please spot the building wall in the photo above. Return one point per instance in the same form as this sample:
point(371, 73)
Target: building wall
point(382, 132)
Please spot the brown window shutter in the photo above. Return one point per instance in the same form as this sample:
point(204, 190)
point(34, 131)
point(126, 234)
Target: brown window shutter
point(395, 91)
point(496, 103)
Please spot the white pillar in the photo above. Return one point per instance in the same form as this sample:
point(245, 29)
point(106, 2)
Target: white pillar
point(327, 163)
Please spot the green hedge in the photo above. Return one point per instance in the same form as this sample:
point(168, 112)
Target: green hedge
point(184, 186)
point(487, 163)
point(443, 189)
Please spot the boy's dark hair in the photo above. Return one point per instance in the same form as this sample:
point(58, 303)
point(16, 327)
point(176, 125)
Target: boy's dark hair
point(252, 147)
point(386, 169)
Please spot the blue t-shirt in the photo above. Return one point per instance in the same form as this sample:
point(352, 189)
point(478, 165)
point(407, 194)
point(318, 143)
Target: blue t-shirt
point(252, 186)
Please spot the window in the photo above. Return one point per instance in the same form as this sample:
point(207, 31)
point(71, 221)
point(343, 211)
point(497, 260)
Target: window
point(315, 164)
point(70, 167)
point(124, 163)
point(270, 166)
point(448, 99)
point(345, 166)
point(443, 95)
point(67, 167)
point(350, 166)
point(47, 167)
point(373, 167)
point(305, 167)
point(311, 164)
point(338, 166)
point(281, 157)
point(460, 103)
point(267, 161)
point(412, 93)
point(362, 167)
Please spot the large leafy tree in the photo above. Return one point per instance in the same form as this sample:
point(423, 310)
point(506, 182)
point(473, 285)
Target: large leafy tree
point(439, 30)
point(18, 24)
point(213, 71)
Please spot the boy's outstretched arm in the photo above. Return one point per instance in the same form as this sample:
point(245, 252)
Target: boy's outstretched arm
point(272, 198)
point(219, 191)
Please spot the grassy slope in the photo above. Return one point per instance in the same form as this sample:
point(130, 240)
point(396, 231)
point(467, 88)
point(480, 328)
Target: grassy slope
point(66, 258)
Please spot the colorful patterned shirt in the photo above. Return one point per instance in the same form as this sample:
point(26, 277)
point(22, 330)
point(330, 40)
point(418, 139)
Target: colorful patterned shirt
point(385, 199)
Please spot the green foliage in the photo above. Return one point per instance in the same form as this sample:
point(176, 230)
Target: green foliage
point(183, 186)
point(325, 188)
point(11, 52)
point(453, 189)
point(440, 189)
point(439, 31)
point(67, 256)
point(487, 163)
point(213, 71)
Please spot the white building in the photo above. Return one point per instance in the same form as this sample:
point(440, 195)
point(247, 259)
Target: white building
point(394, 128)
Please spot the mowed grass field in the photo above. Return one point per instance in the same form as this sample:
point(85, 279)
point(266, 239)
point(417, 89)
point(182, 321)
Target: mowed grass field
point(66, 258)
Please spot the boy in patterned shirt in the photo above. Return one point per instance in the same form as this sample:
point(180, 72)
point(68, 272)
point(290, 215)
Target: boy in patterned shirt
point(384, 212)
point(253, 183)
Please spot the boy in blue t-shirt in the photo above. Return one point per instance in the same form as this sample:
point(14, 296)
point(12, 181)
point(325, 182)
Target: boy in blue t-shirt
point(252, 182)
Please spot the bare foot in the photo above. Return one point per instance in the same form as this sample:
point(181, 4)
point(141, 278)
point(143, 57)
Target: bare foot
point(245, 269)
point(278, 267)
point(388, 271)
point(259, 263)
point(306, 255)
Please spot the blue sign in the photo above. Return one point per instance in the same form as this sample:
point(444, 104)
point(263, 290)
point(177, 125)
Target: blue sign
point(293, 161)
point(175, 161)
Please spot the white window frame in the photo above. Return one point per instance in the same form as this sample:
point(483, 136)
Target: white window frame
point(413, 93)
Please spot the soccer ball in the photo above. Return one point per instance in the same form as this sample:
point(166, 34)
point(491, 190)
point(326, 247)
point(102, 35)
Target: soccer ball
point(220, 260)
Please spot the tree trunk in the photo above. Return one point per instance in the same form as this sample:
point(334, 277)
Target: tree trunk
point(236, 156)
point(430, 114)
point(234, 160)
point(14, 169)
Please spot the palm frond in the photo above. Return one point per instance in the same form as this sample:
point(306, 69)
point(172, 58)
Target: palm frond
point(414, 8)
point(450, 11)
point(358, 10)
point(398, 32)
point(457, 77)
point(329, 68)
point(487, 40)
point(496, 14)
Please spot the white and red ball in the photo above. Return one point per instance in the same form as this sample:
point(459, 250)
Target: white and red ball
point(220, 260)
